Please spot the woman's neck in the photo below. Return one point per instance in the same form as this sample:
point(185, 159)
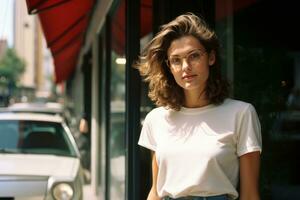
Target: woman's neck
point(195, 100)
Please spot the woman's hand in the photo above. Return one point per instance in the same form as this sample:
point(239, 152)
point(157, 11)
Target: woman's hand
point(153, 195)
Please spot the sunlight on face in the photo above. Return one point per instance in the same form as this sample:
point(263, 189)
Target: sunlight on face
point(192, 62)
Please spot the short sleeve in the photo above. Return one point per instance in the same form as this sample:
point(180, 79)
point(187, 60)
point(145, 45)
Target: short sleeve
point(249, 132)
point(147, 138)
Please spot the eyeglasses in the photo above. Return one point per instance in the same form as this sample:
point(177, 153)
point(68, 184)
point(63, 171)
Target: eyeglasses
point(192, 58)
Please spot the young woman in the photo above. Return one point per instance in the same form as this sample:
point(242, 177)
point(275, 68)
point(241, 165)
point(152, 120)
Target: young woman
point(203, 142)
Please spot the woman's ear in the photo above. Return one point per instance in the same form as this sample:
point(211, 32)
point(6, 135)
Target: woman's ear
point(211, 58)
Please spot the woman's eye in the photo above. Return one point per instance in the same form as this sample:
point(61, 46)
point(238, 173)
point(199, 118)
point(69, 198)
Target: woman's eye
point(175, 61)
point(195, 55)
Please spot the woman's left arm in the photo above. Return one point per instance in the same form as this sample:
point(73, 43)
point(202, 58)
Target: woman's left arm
point(249, 176)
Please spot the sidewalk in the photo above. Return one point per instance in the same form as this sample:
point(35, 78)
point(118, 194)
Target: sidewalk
point(88, 194)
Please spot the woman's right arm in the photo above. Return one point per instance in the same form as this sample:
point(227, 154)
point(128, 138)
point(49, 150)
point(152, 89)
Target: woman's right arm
point(153, 192)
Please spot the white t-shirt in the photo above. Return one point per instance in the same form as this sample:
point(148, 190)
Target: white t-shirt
point(198, 149)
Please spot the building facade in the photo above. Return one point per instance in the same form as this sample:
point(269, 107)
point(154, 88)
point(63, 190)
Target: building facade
point(24, 41)
point(30, 46)
point(3, 47)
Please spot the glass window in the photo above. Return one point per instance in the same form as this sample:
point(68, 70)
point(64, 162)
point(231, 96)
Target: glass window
point(146, 31)
point(117, 105)
point(146, 104)
point(35, 137)
point(261, 55)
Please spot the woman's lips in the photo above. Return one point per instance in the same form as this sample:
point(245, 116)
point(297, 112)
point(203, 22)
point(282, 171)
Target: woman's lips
point(188, 77)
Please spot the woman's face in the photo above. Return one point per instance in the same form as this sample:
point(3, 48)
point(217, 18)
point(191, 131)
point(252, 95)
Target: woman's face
point(189, 63)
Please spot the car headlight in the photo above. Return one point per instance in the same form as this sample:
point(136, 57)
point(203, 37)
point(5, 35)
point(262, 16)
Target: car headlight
point(63, 191)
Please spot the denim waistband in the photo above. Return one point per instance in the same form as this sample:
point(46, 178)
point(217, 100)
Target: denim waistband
point(218, 197)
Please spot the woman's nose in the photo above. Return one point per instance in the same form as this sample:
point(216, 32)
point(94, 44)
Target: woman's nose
point(185, 65)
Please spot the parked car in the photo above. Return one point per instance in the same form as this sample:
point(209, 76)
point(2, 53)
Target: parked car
point(37, 107)
point(54, 108)
point(287, 126)
point(39, 158)
point(283, 147)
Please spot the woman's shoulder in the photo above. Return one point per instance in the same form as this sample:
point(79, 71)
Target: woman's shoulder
point(238, 105)
point(156, 112)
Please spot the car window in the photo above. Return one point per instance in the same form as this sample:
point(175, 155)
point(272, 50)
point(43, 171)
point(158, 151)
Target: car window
point(36, 137)
point(9, 135)
point(287, 126)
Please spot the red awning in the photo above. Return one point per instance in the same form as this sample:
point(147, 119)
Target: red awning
point(64, 24)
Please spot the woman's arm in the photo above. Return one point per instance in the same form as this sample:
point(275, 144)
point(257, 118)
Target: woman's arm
point(249, 176)
point(153, 192)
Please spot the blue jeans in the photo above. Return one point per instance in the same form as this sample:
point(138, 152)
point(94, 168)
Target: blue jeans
point(219, 197)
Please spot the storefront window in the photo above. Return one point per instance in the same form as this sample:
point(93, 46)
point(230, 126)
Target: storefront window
point(117, 105)
point(262, 60)
point(146, 36)
point(146, 31)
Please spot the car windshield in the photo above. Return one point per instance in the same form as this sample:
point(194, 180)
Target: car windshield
point(34, 137)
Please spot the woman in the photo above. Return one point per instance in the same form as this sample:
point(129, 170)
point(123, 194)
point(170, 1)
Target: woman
point(203, 142)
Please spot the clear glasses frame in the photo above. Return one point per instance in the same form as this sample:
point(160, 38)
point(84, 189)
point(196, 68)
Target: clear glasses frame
point(192, 58)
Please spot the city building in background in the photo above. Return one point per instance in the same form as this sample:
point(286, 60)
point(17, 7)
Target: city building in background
point(3, 47)
point(4, 91)
point(24, 41)
point(30, 46)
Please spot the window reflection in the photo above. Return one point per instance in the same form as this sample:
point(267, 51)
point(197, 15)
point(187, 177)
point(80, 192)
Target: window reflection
point(146, 34)
point(117, 105)
point(256, 60)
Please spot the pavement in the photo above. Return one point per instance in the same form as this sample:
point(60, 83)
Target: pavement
point(88, 193)
point(117, 192)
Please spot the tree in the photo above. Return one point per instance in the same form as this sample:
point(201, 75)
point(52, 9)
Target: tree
point(11, 67)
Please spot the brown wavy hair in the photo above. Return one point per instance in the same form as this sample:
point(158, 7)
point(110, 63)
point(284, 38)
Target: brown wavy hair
point(163, 89)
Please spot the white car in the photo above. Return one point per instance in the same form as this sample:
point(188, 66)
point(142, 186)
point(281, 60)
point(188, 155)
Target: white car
point(39, 158)
point(37, 107)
